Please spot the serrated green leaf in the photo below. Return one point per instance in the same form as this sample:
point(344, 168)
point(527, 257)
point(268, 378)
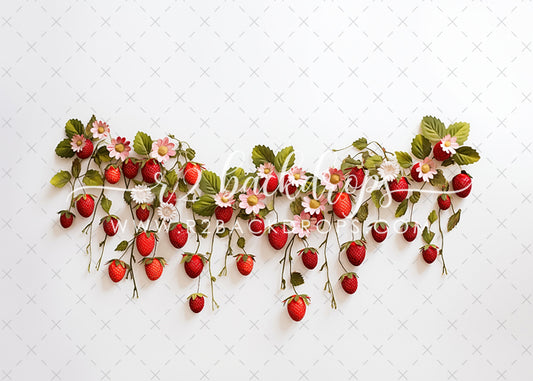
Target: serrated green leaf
point(209, 182)
point(182, 185)
point(454, 220)
point(415, 197)
point(201, 228)
point(401, 209)
point(233, 177)
point(438, 179)
point(296, 206)
point(362, 213)
point(449, 161)
point(420, 147)
point(376, 197)
point(102, 155)
point(74, 127)
point(432, 217)
point(60, 179)
point(63, 149)
point(122, 246)
point(106, 204)
point(93, 178)
point(223, 233)
point(349, 163)
point(89, 125)
point(433, 129)
point(296, 279)
point(360, 144)
point(465, 155)
point(172, 178)
point(241, 242)
point(127, 197)
point(190, 153)
point(284, 159)
point(76, 168)
point(142, 144)
point(373, 162)
point(262, 154)
point(404, 159)
point(427, 235)
point(460, 130)
point(204, 206)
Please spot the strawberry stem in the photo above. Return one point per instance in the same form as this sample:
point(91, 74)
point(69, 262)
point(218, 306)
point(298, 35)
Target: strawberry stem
point(338, 242)
point(444, 270)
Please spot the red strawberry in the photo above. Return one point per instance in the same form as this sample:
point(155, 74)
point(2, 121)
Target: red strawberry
point(85, 205)
point(349, 282)
point(444, 201)
point(66, 218)
point(462, 184)
point(257, 226)
point(142, 212)
point(145, 242)
point(223, 213)
point(319, 217)
point(356, 252)
point(379, 231)
point(272, 183)
point(86, 151)
point(196, 302)
point(277, 236)
point(342, 204)
point(245, 263)
point(429, 253)
point(154, 267)
point(296, 306)
point(410, 231)
point(110, 224)
point(112, 174)
point(117, 270)
point(192, 172)
point(288, 188)
point(399, 189)
point(439, 153)
point(169, 197)
point(178, 234)
point(357, 176)
point(309, 257)
point(414, 173)
point(193, 264)
point(130, 168)
point(151, 171)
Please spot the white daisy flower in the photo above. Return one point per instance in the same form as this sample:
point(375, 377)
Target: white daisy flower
point(142, 194)
point(389, 170)
point(167, 212)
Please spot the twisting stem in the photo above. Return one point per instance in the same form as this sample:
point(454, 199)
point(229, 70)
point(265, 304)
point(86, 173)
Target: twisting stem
point(284, 260)
point(132, 260)
point(211, 277)
point(328, 287)
point(338, 242)
point(444, 269)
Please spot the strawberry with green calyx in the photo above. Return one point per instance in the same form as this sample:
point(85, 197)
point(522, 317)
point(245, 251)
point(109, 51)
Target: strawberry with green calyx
point(379, 231)
point(444, 201)
point(193, 264)
point(145, 242)
point(245, 263)
point(409, 231)
point(85, 204)
point(170, 197)
point(87, 149)
point(297, 305)
point(309, 257)
point(223, 213)
point(142, 211)
point(257, 225)
point(356, 176)
point(399, 189)
point(462, 184)
point(349, 282)
point(153, 267)
point(110, 224)
point(130, 167)
point(355, 251)
point(429, 253)
point(196, 302)
point(192, 172)
point(66, 218)
point(151, 171)
point(278, 235)
point(342, 204)
point(112, 174)
point(117, 269)
point(178, 234)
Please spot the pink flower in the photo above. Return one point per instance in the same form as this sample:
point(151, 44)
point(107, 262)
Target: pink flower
point(426, 169)
point(449, 144)
point(252, 201)
point(333, 179)
point(77, 143)
point(224, 199)
point(314, 206)
point(100, 130)
point(296, 176)
point(265, 170)
point(162, 150)
point(119, 148)
point(303, 225)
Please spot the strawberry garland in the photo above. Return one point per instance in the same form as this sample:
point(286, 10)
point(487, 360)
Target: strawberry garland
point(163, 173)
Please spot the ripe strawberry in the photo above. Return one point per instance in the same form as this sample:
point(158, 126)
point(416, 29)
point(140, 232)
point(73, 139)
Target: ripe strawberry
point(357, 177)
point(117, 270)
point(309, 257)
point(196, 302)
point(462, 184)
point(342, 204)
point(410, 231)
point(169, 197)
point(379, 231)
point(192, 172)
point(288, 188)
point(399, 188)
point(296, 306)
point(145, 242)
point(110, 224)
point(193, 264)
point(142, 212)
point(439, 153)
point(130, 168)
point(112, 174)
point(223, 213)
point(87, 150)
point(414, 173)
point(444, 201)
point(349, 282)
point(178, 234)
point(245, 263)
point(277, 236)
point(429, 253)
point(272, 183)
point(257, 226)
point(66, 218)
point(151, 171)
point(154, 267)
point(319, 217)
point(356, 252)
point(85, 205)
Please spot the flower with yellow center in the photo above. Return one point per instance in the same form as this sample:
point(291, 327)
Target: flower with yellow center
point(427, 169)
point(224, 199)
point(100, 130)
point(119, 147)
point(162, 150)
point(333, 179)
point(252, 200)
point(314, 205)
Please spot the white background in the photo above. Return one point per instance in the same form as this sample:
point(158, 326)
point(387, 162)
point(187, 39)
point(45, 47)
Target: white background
point(226, 76)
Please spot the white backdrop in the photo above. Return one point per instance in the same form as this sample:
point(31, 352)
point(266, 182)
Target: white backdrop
point(226, 76)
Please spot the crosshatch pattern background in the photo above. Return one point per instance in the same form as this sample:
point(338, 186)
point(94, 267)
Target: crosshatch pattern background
point(226, 76)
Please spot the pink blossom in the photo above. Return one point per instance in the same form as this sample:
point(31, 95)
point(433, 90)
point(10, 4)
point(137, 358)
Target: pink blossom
point(119, 148)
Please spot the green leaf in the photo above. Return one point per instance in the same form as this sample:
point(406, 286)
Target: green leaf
point(172, 178)
point(122, 246)
point(465, 155)
point(432, 217)
point(241, 242)
point(376, 197)
point(223, 233)
point(89, 125)
point(106, 204)
point(127, 197)
point(433, 129)
point(262, 154)
point(360, 144)
point(427, 235)
point(454, 220)
point(446, 163)
point(190, 153)
point(76, 168)
point(93, 178)
point(438, 180)
point(60, 179)
point(142, 144)
point(284, 159)
point(362, 213)
point(182, 185)
point(415, 197)
point(74, 127)
point(296, 206)
point(297, 279)
point(200, 227)
point(401, 209)
point(420, 147)
point(209, 182)
point(404, 159)
point(373, 161)
point(234, 176)
point(460, 130)
point(348, 163)
point(64, 149)
point(204, 206)
point(102, 155)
